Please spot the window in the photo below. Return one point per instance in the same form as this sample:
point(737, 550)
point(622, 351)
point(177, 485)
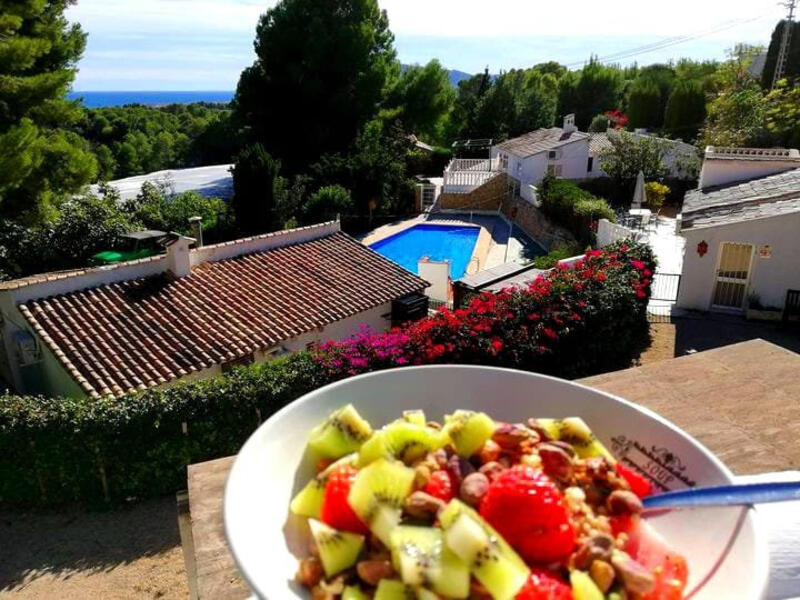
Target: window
point(552, 154)
point(504, 162)
point(590, 166)
point(519, 169)
point(554, 170)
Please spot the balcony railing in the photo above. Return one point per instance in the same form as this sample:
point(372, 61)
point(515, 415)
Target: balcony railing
point(464, 175)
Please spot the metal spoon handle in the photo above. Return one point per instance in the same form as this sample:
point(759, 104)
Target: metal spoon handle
point(727, 495)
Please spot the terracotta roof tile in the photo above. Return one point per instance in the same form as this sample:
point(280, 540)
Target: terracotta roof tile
point(144, 332)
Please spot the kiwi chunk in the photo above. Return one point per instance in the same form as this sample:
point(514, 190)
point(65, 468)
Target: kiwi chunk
point(402, 440)
point(378, 493)
point(422, 559)
point(491, 560)
point(352, 592)
point(415, 417)
point(584, 587)
point(341, 433)
point(338, 550)
point(575, 431)
point(308, 501)
point(391, 589)
point(468, 431)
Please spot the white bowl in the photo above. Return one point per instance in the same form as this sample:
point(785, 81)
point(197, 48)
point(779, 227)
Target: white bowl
point(727, 554)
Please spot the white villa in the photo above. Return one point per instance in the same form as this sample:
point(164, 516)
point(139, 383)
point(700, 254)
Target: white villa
point(742, 231)
point(559, 151)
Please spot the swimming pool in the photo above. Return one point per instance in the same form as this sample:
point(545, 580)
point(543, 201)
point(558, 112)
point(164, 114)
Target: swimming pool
point(438, 242)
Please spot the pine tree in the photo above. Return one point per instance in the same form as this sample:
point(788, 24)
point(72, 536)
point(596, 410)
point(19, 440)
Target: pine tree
point(321, 70)
point(40, 161)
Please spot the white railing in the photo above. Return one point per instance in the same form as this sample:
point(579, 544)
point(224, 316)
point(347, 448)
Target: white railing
point(464, 175)
point(608, 233)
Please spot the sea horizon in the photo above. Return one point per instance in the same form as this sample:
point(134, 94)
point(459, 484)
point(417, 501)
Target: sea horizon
point(101, 99)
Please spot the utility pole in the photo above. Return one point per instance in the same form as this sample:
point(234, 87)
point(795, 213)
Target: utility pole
point(786, 40)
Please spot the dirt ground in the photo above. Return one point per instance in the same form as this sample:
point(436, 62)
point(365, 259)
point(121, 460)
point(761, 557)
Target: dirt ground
point(133, 552)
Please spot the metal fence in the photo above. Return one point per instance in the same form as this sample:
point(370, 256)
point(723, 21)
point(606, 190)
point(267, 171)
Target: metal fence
point(665, 287)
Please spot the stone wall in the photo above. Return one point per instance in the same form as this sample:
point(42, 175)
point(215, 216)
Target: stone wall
point(496, 193)
point(485, 197)
point(533, 222)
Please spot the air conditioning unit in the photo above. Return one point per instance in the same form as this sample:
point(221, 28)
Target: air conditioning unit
point(28, 351)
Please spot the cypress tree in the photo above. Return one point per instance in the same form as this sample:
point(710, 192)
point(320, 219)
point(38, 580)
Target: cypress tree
point(793, 60)
point(686, 110)
point(644, 105)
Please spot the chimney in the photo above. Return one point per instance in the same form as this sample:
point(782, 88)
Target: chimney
point(179, 258)
point(569, 123)
point(197, 230)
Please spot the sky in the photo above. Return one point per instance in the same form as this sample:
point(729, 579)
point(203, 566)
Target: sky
point(204, 44)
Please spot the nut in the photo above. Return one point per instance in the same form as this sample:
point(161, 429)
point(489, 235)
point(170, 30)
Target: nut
point(320, 593)
point(309, 572)
point(533, 425)
point(636, 578)
point(372, 571)
point(596, 547)
point(622, 502)
point(459, 468)
point(440, 457)
point(423, 506)
point(489, 452)
point(556, 462)
point(433, 425)
point(421, 475)
point(492, 470)
point(511, 437)
point(474, 488)
point(565, 446)
point(603, 574)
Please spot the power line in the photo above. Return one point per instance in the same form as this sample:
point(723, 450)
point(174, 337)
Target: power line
point(668, 42)
point(786, 40)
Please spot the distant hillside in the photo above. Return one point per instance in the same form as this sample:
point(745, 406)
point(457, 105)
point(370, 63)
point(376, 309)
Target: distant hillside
point(455, 76)
point(458, 76)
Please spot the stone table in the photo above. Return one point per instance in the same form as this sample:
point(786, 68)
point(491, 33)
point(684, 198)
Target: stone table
point(741, 401)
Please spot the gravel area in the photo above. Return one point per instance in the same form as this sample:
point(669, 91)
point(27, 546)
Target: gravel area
point(133, 552)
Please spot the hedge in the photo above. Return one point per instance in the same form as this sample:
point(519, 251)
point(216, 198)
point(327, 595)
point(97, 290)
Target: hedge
point(569, 323)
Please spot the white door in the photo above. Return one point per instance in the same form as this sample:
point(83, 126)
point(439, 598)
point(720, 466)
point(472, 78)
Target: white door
point(733, 273)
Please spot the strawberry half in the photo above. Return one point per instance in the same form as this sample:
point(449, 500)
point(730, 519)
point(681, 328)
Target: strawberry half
point(528, 510)
point(335, 510)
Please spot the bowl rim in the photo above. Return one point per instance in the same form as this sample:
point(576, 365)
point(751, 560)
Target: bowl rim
point(760, 570)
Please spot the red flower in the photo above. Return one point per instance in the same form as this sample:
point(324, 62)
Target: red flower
point(550, 333)
point(641, 294)
point(497, 345)
point(638, 265)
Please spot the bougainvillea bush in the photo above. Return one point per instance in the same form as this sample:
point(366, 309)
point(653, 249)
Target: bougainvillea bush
point(569, 322)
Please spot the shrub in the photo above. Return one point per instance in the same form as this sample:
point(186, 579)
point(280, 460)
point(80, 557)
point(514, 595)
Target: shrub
point(569, 323)
point(565, 203)
point(656, 194)
point(557, 253)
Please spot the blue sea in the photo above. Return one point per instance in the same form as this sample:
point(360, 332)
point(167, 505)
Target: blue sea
point(101, 99)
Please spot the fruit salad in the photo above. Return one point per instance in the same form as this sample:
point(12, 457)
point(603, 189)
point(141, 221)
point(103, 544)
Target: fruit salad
point(476, 508)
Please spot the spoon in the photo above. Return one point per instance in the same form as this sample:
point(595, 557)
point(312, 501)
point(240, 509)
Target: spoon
point(726, 495)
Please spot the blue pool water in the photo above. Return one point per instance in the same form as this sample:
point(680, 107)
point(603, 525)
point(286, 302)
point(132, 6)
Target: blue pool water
point(437, 242)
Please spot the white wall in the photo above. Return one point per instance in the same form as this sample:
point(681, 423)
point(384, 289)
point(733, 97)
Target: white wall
point(769, 278)
point(438, 275)
point(608, 233)
point(574, 159)
point(724, 171)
